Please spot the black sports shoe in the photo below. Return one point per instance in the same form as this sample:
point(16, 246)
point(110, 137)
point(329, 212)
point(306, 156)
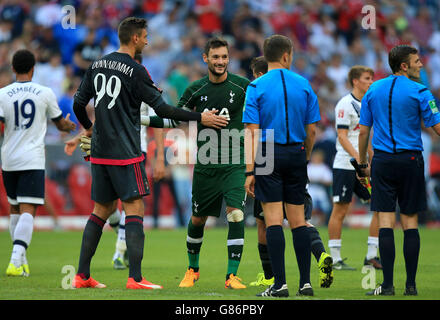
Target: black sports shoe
point(375, 262)
point(306, 290)
point(282, 292)
point(381, 291)
point(410, 291)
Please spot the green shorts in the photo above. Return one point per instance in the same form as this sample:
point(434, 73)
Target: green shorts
point(212, 185)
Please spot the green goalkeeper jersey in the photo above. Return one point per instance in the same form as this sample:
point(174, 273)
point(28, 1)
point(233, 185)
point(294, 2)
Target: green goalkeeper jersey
point(218, 147)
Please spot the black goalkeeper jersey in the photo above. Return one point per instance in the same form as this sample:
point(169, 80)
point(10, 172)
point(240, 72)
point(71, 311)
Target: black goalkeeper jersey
point(118, 85)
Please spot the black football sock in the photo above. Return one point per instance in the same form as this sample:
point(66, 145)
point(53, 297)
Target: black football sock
point(301, 244)
point(387, 252)
point(276, 246)
point(316, 243)
point(135, 237)
point(411, 249)
point(91, 236)
point(265, 261)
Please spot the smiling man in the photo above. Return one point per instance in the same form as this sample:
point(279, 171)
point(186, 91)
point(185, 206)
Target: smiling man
point(218, 174)
point(395, 107)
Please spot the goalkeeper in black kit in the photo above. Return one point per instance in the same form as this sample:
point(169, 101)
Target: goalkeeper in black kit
point(119, 85)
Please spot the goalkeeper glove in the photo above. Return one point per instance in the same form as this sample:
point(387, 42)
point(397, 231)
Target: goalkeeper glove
point(85, 144)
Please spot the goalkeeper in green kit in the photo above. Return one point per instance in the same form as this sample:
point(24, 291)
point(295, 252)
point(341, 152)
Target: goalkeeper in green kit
point(220, 168)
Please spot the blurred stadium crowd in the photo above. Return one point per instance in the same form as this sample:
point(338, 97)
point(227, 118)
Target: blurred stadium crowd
point(328, 39)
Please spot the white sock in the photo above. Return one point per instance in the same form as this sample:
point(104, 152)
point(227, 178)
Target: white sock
point(114, 219)
point(13, 219)
point(121, 246)
point(335, 249)
point(373, 243)
point(22, 238)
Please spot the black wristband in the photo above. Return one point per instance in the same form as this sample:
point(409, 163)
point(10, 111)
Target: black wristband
point(363, 165)
point(249, 173)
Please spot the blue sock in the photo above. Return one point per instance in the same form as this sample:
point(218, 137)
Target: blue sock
point(276, 245)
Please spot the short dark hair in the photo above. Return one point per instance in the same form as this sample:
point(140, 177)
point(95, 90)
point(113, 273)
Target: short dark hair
point(130, 26)
point(23, 61)
point(275, 46)
point(259, 64)
point(398, 55)
point(214, 43)
point(138, 58)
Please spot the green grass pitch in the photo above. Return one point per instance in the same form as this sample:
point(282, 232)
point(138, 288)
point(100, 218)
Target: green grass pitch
point(165, 262)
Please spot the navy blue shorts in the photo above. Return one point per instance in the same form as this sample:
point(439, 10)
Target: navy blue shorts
point(308, 207)
point(25, 186)
point(111, 182)
point(288, 180)
point(345, 183)
point(398, 178)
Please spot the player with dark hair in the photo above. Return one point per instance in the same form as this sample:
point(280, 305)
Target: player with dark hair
point(219, 175)
point(345, 183)
point(119, 85)
point(394, 107)
point(283, 103)
point(259, 68)
point(25, 107)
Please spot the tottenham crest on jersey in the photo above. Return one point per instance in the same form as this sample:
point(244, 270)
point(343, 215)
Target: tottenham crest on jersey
point(232, 94)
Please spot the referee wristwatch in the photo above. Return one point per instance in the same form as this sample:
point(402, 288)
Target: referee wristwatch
point(249, 173)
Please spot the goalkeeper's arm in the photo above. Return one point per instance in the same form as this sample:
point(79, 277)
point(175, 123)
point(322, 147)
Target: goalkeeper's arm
point(158, 122)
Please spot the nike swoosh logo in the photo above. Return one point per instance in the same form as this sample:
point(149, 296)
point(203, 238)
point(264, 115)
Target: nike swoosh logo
point(151, 286)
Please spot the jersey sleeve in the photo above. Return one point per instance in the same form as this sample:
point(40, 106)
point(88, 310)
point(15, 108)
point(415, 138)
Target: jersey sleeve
point(429, 108)
point(342, 115)
point(185, 102)
point(366, 118)
point(53, 110)
point(2, 113)
point(85, 90)
point(251, 111)
point(312, 114)
point(146, 90)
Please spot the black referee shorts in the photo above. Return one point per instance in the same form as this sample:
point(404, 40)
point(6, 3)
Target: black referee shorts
point(288, 180)
point(398, 178)
point(308, 207)
point(111, 182)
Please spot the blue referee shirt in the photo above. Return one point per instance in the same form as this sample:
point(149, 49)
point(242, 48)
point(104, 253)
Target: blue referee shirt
point(394, 106)
point(284, 101)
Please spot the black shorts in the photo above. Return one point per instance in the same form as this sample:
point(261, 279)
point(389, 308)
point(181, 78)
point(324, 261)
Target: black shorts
point(25, 186)
point(398, 177)
point(345, 183)
point(308, 207)
point(288, 180)
point(119, 182)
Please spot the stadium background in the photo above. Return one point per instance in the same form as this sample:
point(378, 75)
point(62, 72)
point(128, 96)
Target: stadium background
point(328, 40)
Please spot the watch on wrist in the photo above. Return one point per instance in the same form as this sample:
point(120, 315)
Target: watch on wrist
point(363, 165)
point(249, 173)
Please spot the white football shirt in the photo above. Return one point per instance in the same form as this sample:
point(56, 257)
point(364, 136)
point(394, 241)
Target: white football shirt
point(25, 108)
point(347, 115)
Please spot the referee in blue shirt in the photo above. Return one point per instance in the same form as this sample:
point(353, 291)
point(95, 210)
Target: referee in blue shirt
point(394, 107)
point(282, 106)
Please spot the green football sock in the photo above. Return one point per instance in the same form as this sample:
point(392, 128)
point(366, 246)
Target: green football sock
point(235, 246)
point(194, 241)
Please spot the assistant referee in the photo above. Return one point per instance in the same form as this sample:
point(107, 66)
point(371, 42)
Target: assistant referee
point(282, 103)
point(394, 107)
